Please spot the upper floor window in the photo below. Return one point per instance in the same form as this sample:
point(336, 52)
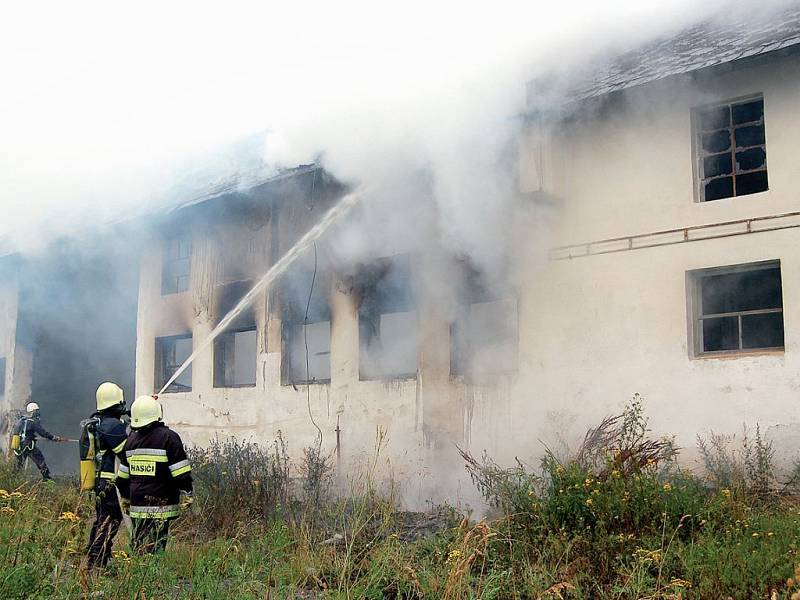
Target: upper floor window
point(737, 309)
point(171, 353)
point(731, 152)
point(387, 320)
point(176, 264)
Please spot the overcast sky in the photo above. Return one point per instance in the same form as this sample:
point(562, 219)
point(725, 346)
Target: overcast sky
point(104, 105)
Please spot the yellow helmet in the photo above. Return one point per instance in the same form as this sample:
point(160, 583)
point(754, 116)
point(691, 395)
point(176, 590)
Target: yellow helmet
point(108, 395)
point(145, 410)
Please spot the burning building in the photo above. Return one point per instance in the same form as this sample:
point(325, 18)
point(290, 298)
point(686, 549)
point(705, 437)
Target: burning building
point(647, 248)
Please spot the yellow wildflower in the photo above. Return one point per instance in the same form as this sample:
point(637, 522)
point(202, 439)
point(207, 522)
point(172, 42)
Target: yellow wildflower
point(615, 473)
point(667, 487)
point(726, 492)
point(530, 492)
point(69, 516)
point(588, 502)
point(755, 534)
point(7, 510)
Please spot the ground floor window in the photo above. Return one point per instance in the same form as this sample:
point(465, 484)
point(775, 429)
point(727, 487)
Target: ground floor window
point(737, 309)
point(387, 320)
point(484, 336)
point(171, 353)
point(235, 355)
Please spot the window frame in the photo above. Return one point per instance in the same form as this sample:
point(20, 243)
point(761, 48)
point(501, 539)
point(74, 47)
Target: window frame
point(696, 317)
point(167, 261)
point(160, 365)
point(218, 383)
point(394, 261)
point(286, 354)
point(698, 154)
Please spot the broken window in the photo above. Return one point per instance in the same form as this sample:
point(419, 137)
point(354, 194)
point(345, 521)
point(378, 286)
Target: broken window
point(2, 376)
point(484, 334)
point(387, 320)
point(731, 149)
point(176, 264)
point(305, 327)
point(236, 349)
point(738, 309)
point(171, 353)
point(235, 358)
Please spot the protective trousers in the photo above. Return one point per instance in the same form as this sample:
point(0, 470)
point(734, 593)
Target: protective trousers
point(150, 535)
point(38, 459)
point(108, 517)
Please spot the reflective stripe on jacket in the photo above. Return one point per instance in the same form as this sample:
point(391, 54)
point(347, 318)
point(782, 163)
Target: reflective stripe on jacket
point(153, 470)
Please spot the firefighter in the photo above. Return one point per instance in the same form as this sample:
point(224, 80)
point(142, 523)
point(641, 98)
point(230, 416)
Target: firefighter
point(155, 478)
point(27, 428)
point(109, 433)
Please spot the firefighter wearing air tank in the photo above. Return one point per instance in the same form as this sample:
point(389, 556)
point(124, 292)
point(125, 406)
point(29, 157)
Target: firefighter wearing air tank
point(102, 439)
point(23, 440)
point(155, 478)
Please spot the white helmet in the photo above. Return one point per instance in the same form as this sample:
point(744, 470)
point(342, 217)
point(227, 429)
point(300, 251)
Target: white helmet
point(32, 406)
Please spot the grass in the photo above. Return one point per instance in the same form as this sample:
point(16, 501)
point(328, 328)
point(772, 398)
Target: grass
point(616, 519)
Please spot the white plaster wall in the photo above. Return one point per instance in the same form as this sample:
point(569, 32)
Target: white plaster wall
point(593, 330)
point(599, 328)
point(19, 360)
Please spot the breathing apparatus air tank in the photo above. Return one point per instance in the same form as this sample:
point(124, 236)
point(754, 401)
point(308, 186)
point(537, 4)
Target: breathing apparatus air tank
point(88, 454)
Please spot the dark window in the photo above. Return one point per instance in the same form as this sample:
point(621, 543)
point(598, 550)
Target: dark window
point(176, 264)
point(731, 150)
point(483, 335)
point(2, 376)
point(738, 308)
point(387, 320)
point(171, 353)
point(305, 327)
point(235, 350)
point(235, 358)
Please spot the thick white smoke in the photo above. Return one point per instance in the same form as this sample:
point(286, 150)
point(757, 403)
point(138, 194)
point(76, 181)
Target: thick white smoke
point(108, 109)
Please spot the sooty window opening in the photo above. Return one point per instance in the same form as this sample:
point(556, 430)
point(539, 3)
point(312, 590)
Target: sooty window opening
point(484, 332)
point(236, 349)
point(731, 151)
point(171, 353)
point(305, 325)
point(387, 319)
point(737, 309)
point(176, 264)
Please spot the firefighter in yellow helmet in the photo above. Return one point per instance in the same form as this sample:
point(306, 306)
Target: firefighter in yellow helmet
point(155, 478)
point(108, 434)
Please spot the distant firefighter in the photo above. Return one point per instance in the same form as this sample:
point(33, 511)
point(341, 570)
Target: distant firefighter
point(155, 478)
point(102, 439)
point(24, 440)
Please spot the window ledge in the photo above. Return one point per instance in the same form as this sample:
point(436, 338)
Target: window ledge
point(728, 355)
point(389, 378)
point(299, 383)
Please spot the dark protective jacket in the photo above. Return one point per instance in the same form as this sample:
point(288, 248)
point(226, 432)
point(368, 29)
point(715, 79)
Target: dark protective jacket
point(110, 435)
point(28, 428)
point(153, 471)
